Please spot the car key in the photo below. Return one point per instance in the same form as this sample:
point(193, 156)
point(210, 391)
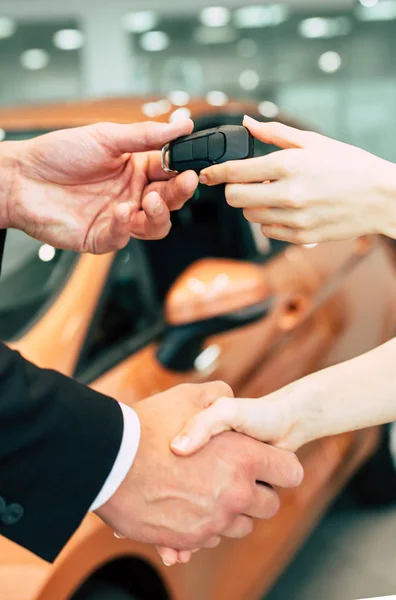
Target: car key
point(208, 147)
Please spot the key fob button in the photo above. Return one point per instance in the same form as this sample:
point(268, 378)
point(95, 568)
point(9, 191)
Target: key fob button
point(200, 148)
point(183, 151)
point(217, 146)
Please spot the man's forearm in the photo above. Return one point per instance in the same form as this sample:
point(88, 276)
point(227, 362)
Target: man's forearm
point(8, 180)
point(353, 395)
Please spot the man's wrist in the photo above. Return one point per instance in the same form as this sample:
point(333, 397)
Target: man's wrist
point(8, 181)
point(125, 458)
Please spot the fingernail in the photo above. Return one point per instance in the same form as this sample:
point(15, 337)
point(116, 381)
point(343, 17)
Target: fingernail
point(159, 208)
point(167, 564)
point(181, 442)
point(249, 119)
point(203, 179)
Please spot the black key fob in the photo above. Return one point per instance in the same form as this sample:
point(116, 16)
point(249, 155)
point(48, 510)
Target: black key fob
point(208, 147)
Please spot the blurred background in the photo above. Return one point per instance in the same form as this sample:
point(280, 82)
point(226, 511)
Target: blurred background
point(328, 62)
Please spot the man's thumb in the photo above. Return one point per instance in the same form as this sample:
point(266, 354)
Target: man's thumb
point(203, 426)
point(140, 137)
point(280, 135)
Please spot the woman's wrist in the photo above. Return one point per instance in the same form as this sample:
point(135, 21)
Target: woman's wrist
point(298, 405)
point(8, 181)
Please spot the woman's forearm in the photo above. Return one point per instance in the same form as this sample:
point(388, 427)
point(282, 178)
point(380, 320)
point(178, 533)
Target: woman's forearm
point(8, 180)
point(353, 395)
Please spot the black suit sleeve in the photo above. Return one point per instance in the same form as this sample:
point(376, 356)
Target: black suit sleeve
point(58, 443)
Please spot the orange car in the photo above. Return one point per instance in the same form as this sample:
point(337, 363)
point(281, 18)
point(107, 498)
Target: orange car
point(212, 301)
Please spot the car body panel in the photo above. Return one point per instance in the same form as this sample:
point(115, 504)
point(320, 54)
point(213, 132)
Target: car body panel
point(332, 302)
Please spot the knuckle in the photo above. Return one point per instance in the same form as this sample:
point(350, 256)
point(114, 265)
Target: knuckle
point(272, 505)
point(239, 499)
point(224, 389)
point(196, 536)
point(303, 220)
point(289, 163)
point(214, 390)
point(296, 196)
point(302, 237)
point(246, 528)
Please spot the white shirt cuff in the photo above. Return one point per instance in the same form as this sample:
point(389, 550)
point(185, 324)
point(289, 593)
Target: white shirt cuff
point(125, 457)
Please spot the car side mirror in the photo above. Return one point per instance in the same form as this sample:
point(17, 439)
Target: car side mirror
point(212, 296)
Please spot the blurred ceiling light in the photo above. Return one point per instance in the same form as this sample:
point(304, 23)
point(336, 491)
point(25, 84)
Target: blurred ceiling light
point(215, 16)
point(139, 22)
point(34, 59)
point(268, 109)
point(7, 27)
point(318, 27)
point(385, 10)
point(154, 41)
point(368, 3)
point(163, 106)
point(156, 109)
point(219, 35)
point(246, 48)
point(216, 98)
point(68, 39)
point(46, 253)
point(179, 97)
point(261, 16)
point(249, 79)
point(149, 109)
point(330, 62)
point(2, 135)
point(180, 114)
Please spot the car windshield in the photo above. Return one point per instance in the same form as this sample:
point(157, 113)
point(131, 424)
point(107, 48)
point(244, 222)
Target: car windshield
point(32, 275)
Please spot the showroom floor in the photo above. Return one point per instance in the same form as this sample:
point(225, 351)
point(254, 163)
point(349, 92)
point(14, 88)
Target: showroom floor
point(352, 554)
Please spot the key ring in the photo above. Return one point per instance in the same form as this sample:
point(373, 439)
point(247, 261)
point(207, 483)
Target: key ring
point(165, 159)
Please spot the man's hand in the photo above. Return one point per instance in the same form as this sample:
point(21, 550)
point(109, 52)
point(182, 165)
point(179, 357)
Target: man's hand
point(90, 188)
point(314, 190)
point(187, 503)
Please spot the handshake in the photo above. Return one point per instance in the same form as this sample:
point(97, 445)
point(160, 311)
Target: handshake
point(189, 502)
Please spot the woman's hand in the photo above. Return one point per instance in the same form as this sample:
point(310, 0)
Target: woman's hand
point(272, 419)
point(314, 190)
point(91, 188)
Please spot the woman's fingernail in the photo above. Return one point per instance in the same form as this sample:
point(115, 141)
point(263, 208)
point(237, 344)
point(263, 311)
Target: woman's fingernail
point(203, 179)
point(181, 442)
point(250, 120)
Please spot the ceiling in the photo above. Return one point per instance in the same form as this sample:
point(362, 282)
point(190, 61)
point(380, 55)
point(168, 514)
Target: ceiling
point(49, 10)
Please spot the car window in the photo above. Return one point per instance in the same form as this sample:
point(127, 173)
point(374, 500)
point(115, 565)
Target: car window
point(32, 276)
